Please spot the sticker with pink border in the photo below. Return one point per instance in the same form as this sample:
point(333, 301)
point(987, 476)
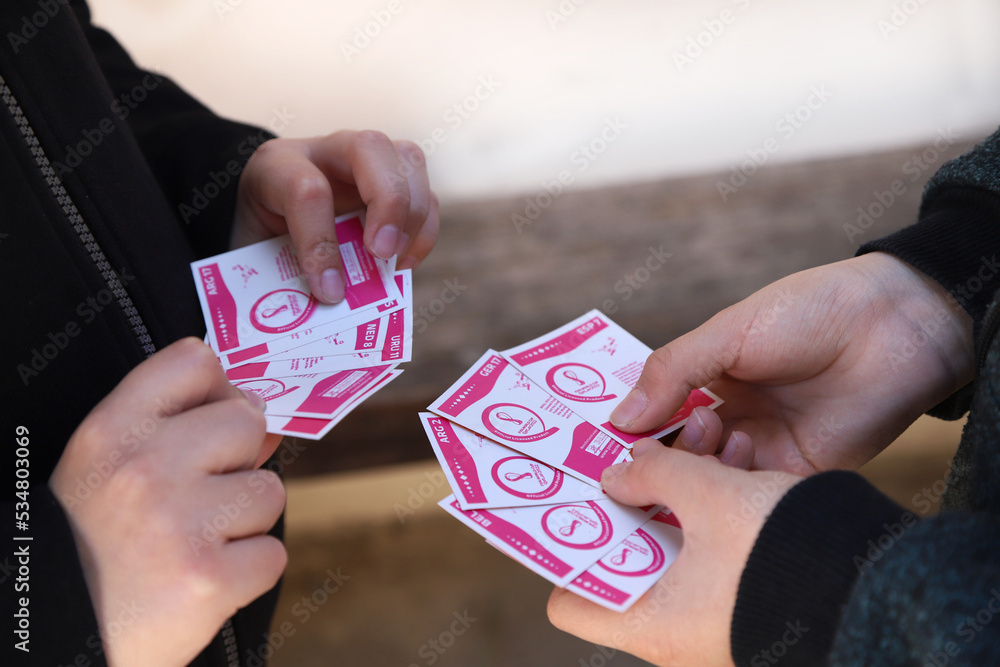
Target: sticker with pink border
point(496, 400)
point(592, 363)
point(484, 474)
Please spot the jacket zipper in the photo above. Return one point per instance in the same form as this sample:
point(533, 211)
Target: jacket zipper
point(229, 641)
point(82, 231)
point(128, 308)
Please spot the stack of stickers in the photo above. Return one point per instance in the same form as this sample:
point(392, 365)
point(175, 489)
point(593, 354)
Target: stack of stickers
point(523, 438)
point(312, 363)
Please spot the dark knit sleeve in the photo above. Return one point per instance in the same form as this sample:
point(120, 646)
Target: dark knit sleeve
point(821, 536)
point(196, 156)
point(933, 600)
point(956, 240)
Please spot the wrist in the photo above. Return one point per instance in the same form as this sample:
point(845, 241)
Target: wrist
point(933, 331)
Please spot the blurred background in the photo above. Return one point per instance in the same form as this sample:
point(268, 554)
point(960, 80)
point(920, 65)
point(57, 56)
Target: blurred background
point(749, 139)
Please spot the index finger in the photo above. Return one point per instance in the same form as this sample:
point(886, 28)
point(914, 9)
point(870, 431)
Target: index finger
point(370, 161)
point(673, 371)
point(290, 186)
point(182, 376)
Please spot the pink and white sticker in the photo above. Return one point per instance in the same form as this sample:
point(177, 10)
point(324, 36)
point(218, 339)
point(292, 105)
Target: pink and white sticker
point(485, 474)
point(312, 428)
point(625, 573)
point(384, 336)
point(257, 294)
point(320, 396)
point(496, 400)
point(559, 542)
point(591, 364)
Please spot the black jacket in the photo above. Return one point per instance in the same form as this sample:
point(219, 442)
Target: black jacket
point(97, 160)
point(840, 574)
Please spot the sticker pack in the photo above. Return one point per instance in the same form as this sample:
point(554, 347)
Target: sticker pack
point(523, 437)
point(312, 363)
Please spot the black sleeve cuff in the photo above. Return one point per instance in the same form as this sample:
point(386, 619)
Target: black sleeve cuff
point(819, 538)
point(955, 242)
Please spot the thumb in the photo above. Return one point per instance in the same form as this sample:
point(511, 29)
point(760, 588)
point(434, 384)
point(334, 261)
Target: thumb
point(672, 372)
point(661, 475)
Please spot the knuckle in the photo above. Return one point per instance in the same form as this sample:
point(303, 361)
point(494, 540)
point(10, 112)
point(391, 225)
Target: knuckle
point(370, 140)
point(136, 481)
point(324, 247)
point(196, 353)
point(273, 558)
point(411, 153)
point(93, 434)
point(306, 185)
point(397, 195)
point(198, 579)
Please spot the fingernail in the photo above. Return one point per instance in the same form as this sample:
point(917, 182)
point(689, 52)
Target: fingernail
point(403, 243)
point(385, 242)
point(693, 432)
point(407, 262)
point(332, 284)
point(255, 400)
point(630, 409)
point(612, 472)
point(732, 447)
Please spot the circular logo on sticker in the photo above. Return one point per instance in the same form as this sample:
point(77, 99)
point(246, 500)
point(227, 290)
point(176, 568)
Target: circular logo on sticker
point(578, 526)
point(577, 382)
point(281, 310)
point(527, 478)
point(516, 423)
point(639, 555)
point(267, 389)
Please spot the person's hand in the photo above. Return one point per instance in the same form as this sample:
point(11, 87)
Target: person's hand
point(822, 369)
point(298, 186)
point(685, 618)
point(173, 539)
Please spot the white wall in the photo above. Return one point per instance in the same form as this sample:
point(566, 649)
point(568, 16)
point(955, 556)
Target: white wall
point(559, 83)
